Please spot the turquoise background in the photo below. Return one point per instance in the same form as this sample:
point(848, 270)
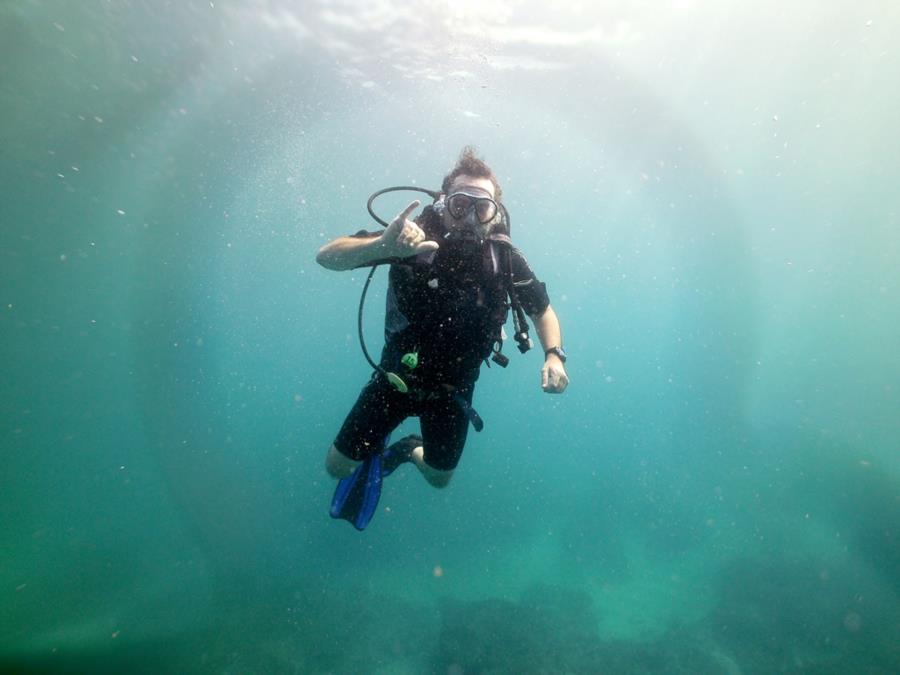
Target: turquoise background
point(709, 191)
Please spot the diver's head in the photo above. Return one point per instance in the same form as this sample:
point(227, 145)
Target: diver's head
point(469, 201)
point(468, 211)
point(471, 166)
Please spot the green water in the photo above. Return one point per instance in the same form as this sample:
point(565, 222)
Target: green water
point(709, 192)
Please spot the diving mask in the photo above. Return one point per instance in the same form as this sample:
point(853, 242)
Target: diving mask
point(461, 204)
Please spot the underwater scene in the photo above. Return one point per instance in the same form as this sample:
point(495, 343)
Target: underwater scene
point(708, 191)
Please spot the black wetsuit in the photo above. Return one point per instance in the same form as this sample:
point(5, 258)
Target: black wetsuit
point(448, 307)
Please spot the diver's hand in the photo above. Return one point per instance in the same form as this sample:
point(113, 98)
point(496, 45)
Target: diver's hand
point(554, 379)
point(403, 238)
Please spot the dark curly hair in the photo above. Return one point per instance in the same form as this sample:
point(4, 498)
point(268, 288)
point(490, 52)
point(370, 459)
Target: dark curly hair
point(469, 164)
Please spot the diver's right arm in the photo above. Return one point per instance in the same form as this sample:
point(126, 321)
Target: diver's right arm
point(347, 253)
point(401, 239)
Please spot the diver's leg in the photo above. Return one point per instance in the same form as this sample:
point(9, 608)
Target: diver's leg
point(337, 464)
point(377, 412)
point(444, 429)
point(435, 477)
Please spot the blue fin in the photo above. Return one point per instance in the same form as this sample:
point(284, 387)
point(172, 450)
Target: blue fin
point(356, 496)
point(398, 453)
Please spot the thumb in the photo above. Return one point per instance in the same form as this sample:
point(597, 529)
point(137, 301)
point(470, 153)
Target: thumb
point(545, 376)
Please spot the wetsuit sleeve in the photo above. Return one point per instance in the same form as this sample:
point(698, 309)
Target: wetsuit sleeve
point(532, 293)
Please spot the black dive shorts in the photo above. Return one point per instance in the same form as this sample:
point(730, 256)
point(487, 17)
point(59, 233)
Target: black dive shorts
point(380, 409)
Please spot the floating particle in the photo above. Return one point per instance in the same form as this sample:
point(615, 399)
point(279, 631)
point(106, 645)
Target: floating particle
point(853, 622)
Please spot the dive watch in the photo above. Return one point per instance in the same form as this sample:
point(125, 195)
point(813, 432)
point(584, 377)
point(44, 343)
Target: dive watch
point(559, 351)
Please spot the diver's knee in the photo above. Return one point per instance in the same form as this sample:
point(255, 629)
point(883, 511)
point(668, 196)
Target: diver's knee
point(337, 464)
point(334, 471)
point(439, 479)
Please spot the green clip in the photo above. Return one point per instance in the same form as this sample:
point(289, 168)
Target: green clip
point(410, 360)
point(397, 382)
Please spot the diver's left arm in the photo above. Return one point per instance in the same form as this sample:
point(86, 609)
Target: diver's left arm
point(554, 378)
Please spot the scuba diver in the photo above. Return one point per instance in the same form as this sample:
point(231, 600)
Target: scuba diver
point(454, 278)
